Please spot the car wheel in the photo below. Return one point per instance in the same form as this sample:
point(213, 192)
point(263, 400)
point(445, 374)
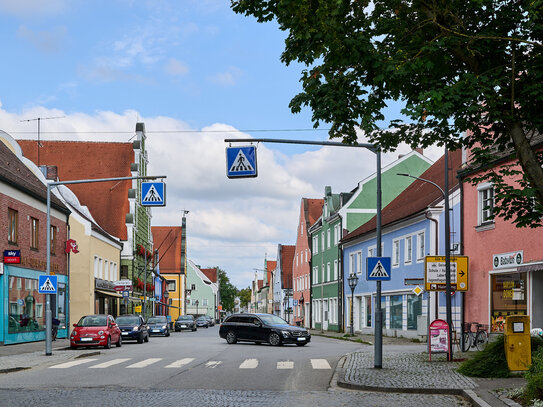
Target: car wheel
point(140, 338)
point(301, 344)
point(194, 330)
point(167, 333)
point(108, 343)
point(73, 347)
point(177, 330)
point(119, 342)
point(231, 337)
point(146, 339)
point(274, 339)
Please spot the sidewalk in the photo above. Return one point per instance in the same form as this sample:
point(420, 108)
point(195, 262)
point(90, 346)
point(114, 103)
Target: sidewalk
point(406, 369)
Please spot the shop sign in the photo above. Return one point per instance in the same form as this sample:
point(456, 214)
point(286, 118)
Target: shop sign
point(104, 284)
point(71, 246)
point(123, 285)
point(507, 260)
point(12, 256)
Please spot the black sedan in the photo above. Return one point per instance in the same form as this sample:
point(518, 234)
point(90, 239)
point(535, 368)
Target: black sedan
point(185, 323)
point(158, 325)
point(202, 322)
point(260, 328)
point(133, 327)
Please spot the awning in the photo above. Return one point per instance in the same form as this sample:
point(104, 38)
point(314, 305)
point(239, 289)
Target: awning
point(530, 267)
point(109, 293)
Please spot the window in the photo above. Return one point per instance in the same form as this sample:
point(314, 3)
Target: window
point(96, 266)
point(315, 244)
point(301, 228)
point(486, 203)
point(34, 230)
point(322, 241)
point(335, 270)
point(328, 238)
point(204, 302)
point(408, 249)
point(396, 311)
point(13, 225)
point(421, 249)
point(171, 285)
point(396, 253)
point(124, 271)
point(414, 309)
point(53, 239)
point(336, 234)
point(100, 268)
point(328, 272)
point(367, 301)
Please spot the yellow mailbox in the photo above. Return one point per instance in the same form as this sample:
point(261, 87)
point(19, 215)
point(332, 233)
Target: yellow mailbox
point(518, 348)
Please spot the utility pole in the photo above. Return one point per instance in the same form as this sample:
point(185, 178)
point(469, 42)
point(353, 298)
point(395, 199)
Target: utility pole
point(39, 119)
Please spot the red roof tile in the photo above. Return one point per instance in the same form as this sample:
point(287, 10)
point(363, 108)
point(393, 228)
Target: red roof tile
point(107, 201)
point(417, 196)
point(260, 284)
point(270, 266)
point(211, 274)
point(167, 239)
point(287, 257)
point(314, 210)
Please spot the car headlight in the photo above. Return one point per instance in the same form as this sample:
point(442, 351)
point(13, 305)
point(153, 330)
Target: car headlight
point(163, 326)
point(136, 328)
point(100, 332)
point(286, 334)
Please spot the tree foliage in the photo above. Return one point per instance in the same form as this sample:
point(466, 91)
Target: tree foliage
point(244, 296)
point(227, 291)
point(470, 73)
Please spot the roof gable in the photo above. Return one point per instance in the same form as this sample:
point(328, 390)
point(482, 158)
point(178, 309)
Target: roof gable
point(287, 257)
point(167, 240)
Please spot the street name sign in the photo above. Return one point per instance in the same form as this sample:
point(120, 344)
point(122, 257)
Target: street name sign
point(153, 194)
point(241, 162)
point(47, 284)
point(378, 268)
point(435, 273)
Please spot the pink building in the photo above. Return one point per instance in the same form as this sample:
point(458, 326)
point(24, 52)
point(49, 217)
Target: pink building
point(310, 211)
point(505, 262)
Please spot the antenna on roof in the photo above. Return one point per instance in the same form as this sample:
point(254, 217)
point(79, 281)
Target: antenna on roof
point(39, 119)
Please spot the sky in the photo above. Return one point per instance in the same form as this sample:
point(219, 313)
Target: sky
point(196, 74)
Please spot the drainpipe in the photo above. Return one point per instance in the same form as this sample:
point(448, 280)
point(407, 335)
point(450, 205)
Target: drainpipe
point(436, 250)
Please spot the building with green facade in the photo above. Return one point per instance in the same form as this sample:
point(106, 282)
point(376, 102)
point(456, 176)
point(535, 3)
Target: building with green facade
point(341, 214)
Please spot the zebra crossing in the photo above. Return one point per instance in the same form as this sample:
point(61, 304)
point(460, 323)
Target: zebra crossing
point(128, 363)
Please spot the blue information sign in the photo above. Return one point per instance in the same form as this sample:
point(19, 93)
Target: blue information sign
point(241, 162)
point(47, 284)
point(378, 268)
point(153, 194)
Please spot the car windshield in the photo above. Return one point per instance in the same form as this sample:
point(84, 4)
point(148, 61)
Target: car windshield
point(129, 320)
point(273, 320)
point(202, 319)
point(185, 318)
point(157, 320)
point(93, 320)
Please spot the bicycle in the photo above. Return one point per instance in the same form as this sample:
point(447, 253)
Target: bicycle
point(476, 339)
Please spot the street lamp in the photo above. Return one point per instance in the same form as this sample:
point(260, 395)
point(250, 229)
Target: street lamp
point(197, 303)
point(353, 281)
point(445, 193)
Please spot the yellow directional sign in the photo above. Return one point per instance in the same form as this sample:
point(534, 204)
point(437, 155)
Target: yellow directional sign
point(434, 273)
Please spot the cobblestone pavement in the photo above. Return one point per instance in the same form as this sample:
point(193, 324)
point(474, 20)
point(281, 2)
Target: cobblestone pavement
point(404, 372)
point(222, 398)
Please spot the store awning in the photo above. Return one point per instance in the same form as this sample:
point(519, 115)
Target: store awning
point(530, 267)
point(109, 293)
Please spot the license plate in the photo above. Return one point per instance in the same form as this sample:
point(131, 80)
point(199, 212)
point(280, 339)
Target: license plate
point(183, 326)
point(301, 339)
point(86, 339)
point(156, 330)
point(124, 333)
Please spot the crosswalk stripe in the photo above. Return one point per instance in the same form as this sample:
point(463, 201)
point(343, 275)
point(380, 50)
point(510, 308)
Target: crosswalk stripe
point(212, 364)
point(249, 364)
point(72, 363)
point(108, 364)
point(286, 364)
point(181, 362)
point(320, 364)
point(144, 363)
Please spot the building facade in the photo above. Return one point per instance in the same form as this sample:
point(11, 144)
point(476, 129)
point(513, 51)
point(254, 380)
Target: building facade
point(202, 290)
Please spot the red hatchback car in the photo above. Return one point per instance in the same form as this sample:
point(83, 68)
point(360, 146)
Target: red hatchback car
point(96, 330)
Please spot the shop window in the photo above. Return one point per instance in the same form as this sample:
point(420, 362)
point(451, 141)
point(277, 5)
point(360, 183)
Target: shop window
point(414, 309)
point(13, 225)
point(396, 311)
point(367, 301)
point(34, 231)
point(25, 306)
point(508, 298)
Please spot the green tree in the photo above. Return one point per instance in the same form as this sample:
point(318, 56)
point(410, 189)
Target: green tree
point(227, 291)
point(469, 72)
point(244, 296)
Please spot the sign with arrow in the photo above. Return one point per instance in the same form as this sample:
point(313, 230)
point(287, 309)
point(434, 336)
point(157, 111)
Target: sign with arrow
point(435, 273)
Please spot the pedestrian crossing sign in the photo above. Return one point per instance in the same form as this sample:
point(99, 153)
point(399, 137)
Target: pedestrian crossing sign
point(378, 268)
point(241, 162)
point(47, 284)
point(153, 194)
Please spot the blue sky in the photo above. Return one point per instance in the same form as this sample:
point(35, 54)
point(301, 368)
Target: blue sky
point(195, 73)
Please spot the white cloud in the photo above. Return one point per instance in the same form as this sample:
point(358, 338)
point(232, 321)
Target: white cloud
point(45, 41)
point(227, 78)
point(32, 8)
point(176, 68)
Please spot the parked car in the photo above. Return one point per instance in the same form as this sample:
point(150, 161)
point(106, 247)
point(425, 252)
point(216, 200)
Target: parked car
point(202, 322)
point(210, 321)
point(96, 330)
point(185, 322)
point(261, 328)
point(158, 325)
point(133, 327)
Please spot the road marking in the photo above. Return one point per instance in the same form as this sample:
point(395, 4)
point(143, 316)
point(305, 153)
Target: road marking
point(212, 364)
point(249, 364)
point(108, 364)
point(320, 364)
point(144, 363)
point(181, 362)
point(286, 364)
point(72, 363)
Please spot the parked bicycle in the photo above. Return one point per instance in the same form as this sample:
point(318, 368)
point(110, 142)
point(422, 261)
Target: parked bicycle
point(474, 335)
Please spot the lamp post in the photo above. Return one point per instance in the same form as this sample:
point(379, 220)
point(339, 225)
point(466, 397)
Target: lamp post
point(197, 303)
point(353, 281)
point(445, 193)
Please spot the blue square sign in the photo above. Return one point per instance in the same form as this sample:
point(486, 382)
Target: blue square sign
point(47, 284)
point(378, 268)
point(241, 162)
point(153, 194)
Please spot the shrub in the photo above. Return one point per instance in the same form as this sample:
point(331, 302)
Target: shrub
point(490, 362)
point(534, 377)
